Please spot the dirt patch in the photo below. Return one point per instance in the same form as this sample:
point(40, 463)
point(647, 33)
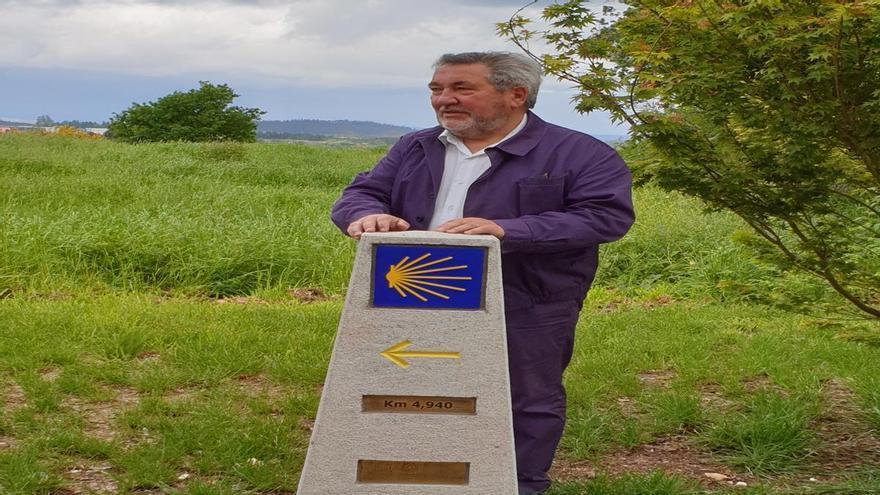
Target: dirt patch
point(763, 383)
point(847, 440)
point(658, 301)
point(147, 357)
point(242, 300)
point(627, 303)
point(628, 407)
point(91, 478)
point(181, 394)
point(565, 470)
point(13, 398)
point(50, 373)
point(301, 295)
point(675, 455)
point(100, 416)
point(657, 378)
point(711, 396)
point(257, 385)
point(6, 443)
point(306, 424)
point(308, 295)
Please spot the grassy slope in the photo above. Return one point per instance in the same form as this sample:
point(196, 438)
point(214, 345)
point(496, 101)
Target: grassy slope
point(120, 373)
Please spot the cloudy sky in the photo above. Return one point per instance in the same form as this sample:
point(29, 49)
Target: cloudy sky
point(323, 59)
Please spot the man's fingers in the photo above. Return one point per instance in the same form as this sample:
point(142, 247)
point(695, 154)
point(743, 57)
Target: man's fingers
point(388, 223)
point(400, 224)
point(368, 224)
point(471, 226)
point(460, 229)
point(457, 226)
point(383, 223)
point(448, 225)
point(355, 229)
point(480, 229)
point(376, 223)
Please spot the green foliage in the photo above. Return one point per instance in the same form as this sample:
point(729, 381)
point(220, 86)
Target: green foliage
point(202, 114)
point(768, 109)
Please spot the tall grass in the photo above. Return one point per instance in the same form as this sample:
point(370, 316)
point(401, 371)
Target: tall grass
point(171, 217)
point(233, 219)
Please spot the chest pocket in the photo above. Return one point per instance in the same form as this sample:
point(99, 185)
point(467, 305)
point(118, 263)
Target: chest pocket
point(540, 194)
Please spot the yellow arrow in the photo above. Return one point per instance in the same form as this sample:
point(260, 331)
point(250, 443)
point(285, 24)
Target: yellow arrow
point(396, 353)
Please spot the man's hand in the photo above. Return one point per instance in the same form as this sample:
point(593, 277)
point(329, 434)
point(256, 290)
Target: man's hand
point(378, 222)
point(471, 225)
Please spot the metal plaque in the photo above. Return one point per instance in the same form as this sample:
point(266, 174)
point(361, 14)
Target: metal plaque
point(413, 472)
point(419, 404)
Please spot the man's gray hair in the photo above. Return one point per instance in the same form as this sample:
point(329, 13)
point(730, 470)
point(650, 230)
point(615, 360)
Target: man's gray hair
point(506, 70)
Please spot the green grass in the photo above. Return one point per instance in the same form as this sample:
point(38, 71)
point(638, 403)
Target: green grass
point(770, 435)
point(653, 484)
point(220, 384)
point(195, 373)
point(768, 366)
point(117, 356)
point(107, 216)
point(234, 219)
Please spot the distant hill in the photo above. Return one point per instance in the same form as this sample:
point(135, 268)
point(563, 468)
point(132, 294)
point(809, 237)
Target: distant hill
point(7, 123)
point(319, 131)
point(280, 129)
point(83, 124)
point(80, 124)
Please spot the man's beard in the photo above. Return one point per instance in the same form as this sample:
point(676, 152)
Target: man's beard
point(473, 127)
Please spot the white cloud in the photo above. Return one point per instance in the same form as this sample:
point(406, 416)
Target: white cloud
point(311, 42)
point(296, 58)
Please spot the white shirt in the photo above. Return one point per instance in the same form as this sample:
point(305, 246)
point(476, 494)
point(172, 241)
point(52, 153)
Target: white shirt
point(461, 168)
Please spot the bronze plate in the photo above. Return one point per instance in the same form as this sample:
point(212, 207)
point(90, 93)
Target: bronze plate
point(413, 472)
point(419, 404)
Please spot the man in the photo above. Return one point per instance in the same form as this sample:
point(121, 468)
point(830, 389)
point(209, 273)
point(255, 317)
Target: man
point(550, 194)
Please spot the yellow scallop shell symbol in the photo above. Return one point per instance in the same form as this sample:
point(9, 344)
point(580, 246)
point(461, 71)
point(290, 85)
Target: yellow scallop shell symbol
point(415, 278)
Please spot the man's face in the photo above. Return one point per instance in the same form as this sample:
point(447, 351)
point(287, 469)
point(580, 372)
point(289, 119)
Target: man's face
point(468, 105)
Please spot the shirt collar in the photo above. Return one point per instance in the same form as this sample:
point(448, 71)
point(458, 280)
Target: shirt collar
point(448, 138)
point(519, 145)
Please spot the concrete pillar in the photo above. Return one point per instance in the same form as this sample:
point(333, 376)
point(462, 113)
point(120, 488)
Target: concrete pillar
point(417, 396)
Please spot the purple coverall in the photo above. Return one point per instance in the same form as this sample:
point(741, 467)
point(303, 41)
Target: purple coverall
point(558, 194)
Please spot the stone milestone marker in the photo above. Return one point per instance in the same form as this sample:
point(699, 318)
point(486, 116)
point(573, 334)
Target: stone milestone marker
point(417, 397)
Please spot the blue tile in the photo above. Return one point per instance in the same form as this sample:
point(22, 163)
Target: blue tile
point(431, 277)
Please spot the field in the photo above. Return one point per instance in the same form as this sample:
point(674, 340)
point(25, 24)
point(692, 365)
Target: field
point(167, 313)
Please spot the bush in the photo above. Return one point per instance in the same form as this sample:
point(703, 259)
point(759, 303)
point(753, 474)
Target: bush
point(202, 114)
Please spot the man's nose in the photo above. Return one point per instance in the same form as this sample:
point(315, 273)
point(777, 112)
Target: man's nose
point(444, 98)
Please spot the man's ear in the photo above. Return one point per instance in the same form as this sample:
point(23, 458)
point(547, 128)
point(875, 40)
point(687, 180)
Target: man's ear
point(518, 97)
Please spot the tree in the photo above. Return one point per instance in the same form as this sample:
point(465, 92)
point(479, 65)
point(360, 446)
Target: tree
point(44, 121)
point(202, 114)
point(767, 108)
